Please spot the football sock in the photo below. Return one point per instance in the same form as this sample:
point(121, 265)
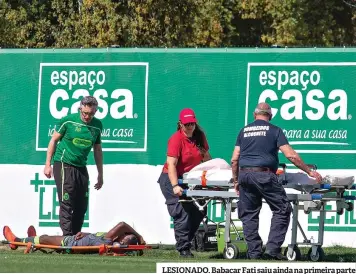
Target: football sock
point(35, 240)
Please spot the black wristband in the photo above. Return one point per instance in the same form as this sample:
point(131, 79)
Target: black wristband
point(175, 185)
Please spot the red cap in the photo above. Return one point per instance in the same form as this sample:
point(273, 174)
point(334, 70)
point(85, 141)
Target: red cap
point(187, 115)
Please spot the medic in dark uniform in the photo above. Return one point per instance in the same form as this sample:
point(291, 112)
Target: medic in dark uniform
point(254, 165)
point(187, 148)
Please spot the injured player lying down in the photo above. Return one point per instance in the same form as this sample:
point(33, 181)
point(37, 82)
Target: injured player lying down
point(122, 233)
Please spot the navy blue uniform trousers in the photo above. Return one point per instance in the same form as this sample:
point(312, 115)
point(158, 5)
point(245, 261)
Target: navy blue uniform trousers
point(186, 216)
point(254, 186)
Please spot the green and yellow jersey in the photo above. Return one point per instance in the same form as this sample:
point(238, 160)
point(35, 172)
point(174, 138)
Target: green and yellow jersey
point(77, 139)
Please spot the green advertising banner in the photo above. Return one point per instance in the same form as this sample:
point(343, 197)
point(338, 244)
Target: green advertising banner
point(141, 92)
point(121, 90)
point(312, 101)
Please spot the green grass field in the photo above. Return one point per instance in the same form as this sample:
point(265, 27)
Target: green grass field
point(17, 261)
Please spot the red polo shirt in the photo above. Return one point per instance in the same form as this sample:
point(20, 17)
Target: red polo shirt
point(186, 151)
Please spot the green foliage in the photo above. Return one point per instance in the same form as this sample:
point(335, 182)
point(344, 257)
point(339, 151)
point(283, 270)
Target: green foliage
point(171, 23)
point(299, 22)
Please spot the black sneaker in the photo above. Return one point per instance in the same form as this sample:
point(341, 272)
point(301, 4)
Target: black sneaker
point(186, 254)
point(278, 257)
point(254, 257)
point(258, 257)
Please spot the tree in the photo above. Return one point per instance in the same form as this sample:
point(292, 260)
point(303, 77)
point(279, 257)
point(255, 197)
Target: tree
point(64, 23)
point(101, 23)
point(171, 23)
point(5, 33)
point(296, 22)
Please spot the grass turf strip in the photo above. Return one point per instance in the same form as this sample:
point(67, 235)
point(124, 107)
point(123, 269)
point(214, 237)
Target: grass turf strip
point(16, 261)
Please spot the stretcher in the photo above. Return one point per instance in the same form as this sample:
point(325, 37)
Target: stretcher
point(211, 181)
point(108, 250)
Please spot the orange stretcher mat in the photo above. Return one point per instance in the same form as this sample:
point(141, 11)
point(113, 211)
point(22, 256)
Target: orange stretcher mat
point(115, 250)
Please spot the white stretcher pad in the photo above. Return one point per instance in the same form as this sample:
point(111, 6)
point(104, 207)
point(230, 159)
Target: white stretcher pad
point(216, 176)
point(217, 172)
point(339, 180)
point(302, 178)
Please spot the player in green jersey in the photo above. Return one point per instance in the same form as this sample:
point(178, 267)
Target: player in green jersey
point(75, 135)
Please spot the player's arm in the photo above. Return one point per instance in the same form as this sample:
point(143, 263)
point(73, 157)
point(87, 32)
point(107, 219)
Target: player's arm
point(80, 235)
point(52, 147)
point(57, 135)
point(50, 151)
point(122, 229)
point(98, 156)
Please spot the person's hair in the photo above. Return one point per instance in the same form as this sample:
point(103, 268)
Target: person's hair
point(198, 136)
point(89, 101)
point(263, 109)
point(264, 112)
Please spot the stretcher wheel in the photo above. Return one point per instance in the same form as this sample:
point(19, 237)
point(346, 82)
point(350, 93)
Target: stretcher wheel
point(231, 252)
point(319, 255)
point(340, 211)
point(350, 206)
point(296, 254)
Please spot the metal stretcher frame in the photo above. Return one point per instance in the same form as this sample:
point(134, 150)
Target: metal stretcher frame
point(226, 198)
point(313, 199)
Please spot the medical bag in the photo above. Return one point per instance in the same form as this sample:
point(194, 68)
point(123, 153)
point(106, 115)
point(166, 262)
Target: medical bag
point(205, 238)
